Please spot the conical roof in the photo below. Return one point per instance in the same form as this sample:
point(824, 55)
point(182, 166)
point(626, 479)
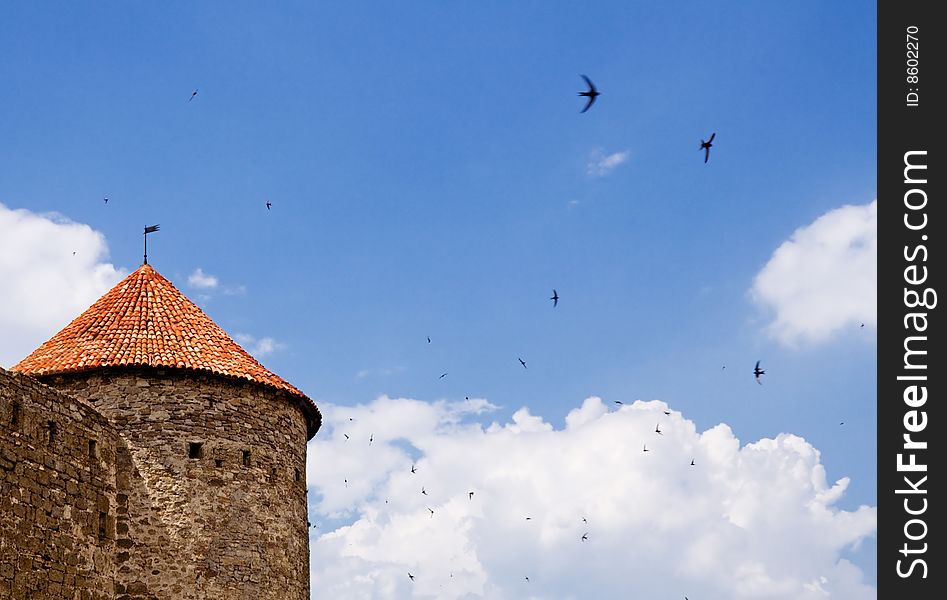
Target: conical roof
point(145, 321)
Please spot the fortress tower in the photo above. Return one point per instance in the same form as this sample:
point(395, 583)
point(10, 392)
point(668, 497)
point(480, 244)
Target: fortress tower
point(209, 464)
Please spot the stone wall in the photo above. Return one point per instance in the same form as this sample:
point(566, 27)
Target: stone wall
point(211, 496)
point(57, 494)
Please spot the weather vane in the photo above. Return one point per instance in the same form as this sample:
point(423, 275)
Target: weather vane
point(151, 229)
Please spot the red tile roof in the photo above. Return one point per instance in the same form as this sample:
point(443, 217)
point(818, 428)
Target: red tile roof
point(146, 321)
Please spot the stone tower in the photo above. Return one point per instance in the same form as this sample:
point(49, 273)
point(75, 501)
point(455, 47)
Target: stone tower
point(210, 493)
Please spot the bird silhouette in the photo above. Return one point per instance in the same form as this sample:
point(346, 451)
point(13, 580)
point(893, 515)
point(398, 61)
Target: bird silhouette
point(705, 146)
point(470, 495)
point(194, 93)
point(529, 518)
point(862, 325)
point(428, 339)
point(371, 438)
point(657, 429)
point(585, 536)
point(346, 435)
point(268, 205)
point(692, 462)
point(592, 93)
point(527, 579)
point(413, 469)
point(423, 491)
point(410, 576)
point(107, 201)
point(555, 298)
point(619, 402)
point(757, 371)
point(443, 375)
point(522, 362)
point(432, 512)
point(645, 448)
point(667, 412)
point(584, 520)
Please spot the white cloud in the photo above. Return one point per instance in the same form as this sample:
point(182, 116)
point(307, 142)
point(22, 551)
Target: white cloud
point(601, 164)
point(824, 278)
point(201, 280)
point(258, 347)
point(52, 269)
point(752, 521)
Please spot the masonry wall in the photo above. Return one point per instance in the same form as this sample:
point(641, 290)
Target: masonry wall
point(57, 494)
point(211, 496)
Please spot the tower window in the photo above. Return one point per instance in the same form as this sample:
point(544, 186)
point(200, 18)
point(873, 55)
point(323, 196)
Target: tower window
point(297, 475)
point(195, 450)
point(103, 520)
point(246, 458)
point(218, 462)
point(53, 430)
point(15, 414)
point(93, 450)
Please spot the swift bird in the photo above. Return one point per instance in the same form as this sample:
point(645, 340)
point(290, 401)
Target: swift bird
point(584, 520)
point(529, 518)
point(410, 576)
point(591, 93)
point(757, 371)
point(585, 536)
point(470, 495)
point(432, 512)
point(619, 402)
point(555, 298)
point(194, 93)
point(268, 205)
point(413, 469)
point(705, 146)
point(657, 429)
point(522, 362)
point(428, 339)
point(667, 412)
point(423, 491)
point(346, 435)
point(527, 579)
point(443, 375)
point(646, 448)
point(692, 462)
point(107, 201)
point(371, 438)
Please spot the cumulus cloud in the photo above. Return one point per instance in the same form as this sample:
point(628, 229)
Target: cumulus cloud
point(824, 278)
point(745, 521)
point(602, 164)
point(52, 269)
point(258, 347)
point(201, 280)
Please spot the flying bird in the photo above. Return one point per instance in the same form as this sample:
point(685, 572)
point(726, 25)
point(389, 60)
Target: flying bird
point(757, 371)
point(371, 438)
point(529, 518)
point(346, 435)
point(862, 325)
point(428, 339)
point(619, 402)
point(585, 536)
point(667, 412)
point(268, 205)
point(527, 579)
point(443, 375)
point(591, 93)
point(194, 93)
point(522, 362)
point(657, 429)
point(470, 495)
point(705, 146)
point(107, 201)
point(346, 482)
point(645, 448)
point(555, 298)
point(692, 462)
point(423, 491)
point(410, 576)
point(413, 469)
point(432, 512)
point(584, 520)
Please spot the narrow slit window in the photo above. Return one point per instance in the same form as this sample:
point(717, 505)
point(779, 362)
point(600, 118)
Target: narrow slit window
point(195, 450)
point(53, 431)
point(246, 458)
point(93, 449)
point(103, 522)
point(15, 414)
point(297, 475)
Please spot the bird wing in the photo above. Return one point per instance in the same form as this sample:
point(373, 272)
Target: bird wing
point(706, 153)
point(712, 136)
point(589, 103)
point(757, 366)
point(589, 83)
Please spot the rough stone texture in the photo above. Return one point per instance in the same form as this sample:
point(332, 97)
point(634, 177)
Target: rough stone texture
point(57, 495)
point(217, 525)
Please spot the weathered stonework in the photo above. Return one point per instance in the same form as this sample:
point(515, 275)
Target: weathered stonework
point(212, 500)
point(57, 494)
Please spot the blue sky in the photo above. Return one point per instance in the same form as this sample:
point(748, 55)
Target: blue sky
point(430, 175)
